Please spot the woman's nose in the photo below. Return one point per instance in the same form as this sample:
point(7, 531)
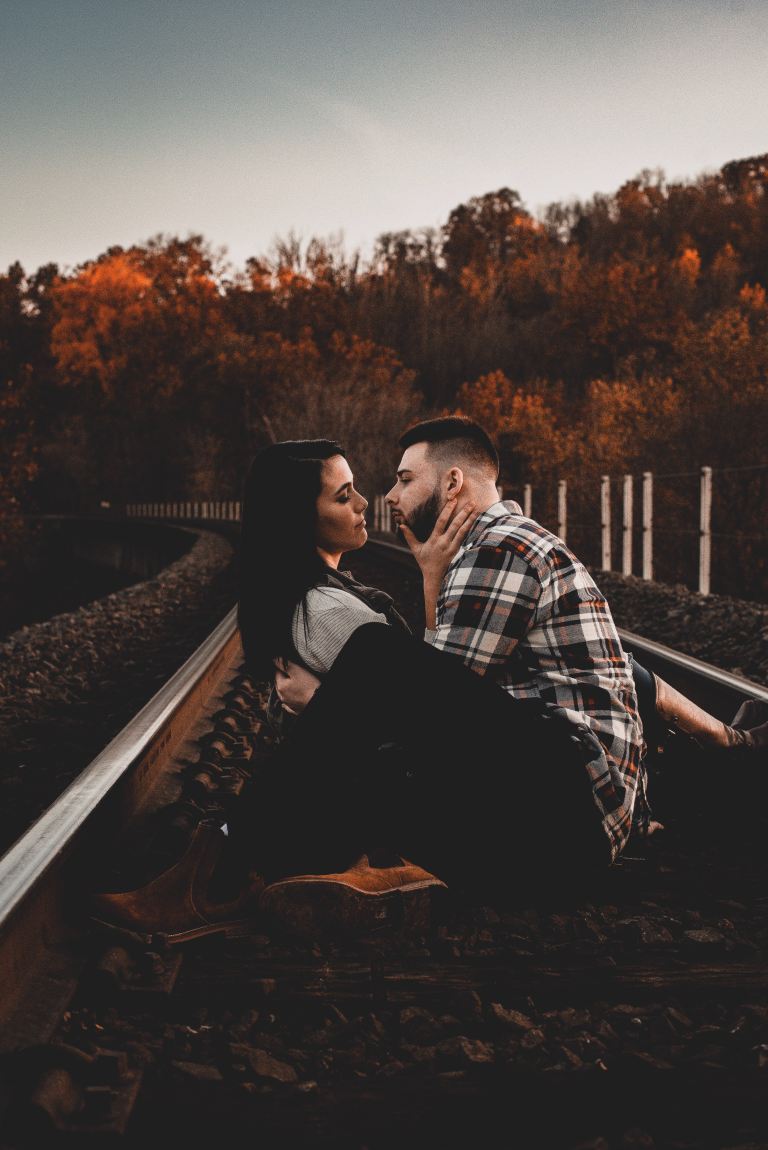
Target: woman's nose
point(363, 501)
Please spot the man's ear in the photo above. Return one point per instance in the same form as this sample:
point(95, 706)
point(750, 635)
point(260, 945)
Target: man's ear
point(454, 481)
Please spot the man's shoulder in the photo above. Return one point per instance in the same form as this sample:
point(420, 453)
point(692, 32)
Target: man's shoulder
point(511, 539)
point(510, 531)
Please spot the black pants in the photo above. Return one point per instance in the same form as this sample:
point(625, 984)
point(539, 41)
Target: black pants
point(403, 745)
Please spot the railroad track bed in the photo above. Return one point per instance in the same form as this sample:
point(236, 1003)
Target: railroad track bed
point(68, 685)
point(631, 1014)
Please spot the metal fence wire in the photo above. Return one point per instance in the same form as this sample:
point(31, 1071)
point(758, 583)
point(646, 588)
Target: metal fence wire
point(706, 529)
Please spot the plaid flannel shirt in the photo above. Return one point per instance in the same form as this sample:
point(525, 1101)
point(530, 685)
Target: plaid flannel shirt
point(516, 604)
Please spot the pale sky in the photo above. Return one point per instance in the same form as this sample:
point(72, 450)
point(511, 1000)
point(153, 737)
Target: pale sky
point(246, 119)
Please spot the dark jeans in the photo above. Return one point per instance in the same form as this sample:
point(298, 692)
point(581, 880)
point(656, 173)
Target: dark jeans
point(403, 745)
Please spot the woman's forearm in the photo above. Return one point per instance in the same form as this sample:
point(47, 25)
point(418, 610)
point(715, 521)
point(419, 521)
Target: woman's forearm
point(431, 592)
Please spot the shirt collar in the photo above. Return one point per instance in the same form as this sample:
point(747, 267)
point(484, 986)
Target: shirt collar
point(502, 509)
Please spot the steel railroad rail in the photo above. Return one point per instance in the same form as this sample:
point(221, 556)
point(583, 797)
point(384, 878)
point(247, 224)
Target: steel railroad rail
point(37, 943)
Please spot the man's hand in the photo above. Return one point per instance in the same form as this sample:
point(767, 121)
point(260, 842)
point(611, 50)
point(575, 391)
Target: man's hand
point(295, 685)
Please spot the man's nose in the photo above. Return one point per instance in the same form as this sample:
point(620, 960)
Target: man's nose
point(390, 496)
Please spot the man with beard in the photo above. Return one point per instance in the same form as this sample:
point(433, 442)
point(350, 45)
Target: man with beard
point(517, 606)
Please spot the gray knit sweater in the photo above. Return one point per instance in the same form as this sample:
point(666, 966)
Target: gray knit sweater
point(332, 616)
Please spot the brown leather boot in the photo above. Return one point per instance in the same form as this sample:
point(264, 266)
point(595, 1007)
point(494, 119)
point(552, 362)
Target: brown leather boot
point(682, 713)
point(359, 900)
point(177, 904)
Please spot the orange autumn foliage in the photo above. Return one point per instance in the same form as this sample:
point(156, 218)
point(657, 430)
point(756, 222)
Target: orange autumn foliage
point(128, 321)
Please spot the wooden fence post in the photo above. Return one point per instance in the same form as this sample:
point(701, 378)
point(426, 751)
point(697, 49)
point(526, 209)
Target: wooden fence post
point(605, 520)
point(705, 530)
point(647, 525)
point(562, 508)
point(527, 500)
point(626, 555)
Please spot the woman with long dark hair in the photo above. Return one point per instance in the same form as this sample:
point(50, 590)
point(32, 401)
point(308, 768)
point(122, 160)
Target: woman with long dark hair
point(396, 753)
point(336, 790)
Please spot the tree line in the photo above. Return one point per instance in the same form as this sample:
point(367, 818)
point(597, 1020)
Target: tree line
point(615, 335)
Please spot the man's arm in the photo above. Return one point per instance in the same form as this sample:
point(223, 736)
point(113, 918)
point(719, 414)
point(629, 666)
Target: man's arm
point(486, 605)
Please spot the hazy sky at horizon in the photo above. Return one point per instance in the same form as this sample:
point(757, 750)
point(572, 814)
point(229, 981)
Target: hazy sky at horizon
point(246, 119)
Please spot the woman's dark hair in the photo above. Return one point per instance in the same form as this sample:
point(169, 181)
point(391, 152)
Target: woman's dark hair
point(278, 554)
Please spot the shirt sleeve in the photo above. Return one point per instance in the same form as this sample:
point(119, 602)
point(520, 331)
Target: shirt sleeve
point(487, 605)
point(333, 615)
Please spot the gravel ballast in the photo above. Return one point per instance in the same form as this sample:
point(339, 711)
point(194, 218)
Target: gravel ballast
point(68, 685)
point(729, 633)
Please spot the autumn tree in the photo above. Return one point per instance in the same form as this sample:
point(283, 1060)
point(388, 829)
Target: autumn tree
point(19, 354)
point(351, 390)
point(132, 333)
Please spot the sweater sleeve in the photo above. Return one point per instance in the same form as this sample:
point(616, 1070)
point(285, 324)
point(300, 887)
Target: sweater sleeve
point(332, 615)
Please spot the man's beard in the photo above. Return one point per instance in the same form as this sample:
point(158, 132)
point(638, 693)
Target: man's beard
point(423, 519)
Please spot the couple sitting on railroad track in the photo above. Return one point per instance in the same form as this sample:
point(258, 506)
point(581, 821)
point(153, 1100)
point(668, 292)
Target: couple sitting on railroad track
point(504, 747)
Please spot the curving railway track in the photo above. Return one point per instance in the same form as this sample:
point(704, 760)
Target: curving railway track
point(630, 1015)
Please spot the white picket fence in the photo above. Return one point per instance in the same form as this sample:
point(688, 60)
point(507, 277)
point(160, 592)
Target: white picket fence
point(382, 519)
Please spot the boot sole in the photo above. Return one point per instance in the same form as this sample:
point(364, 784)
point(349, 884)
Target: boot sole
point(318, 907)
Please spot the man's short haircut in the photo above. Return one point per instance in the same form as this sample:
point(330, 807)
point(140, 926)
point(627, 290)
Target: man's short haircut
point(454, 437)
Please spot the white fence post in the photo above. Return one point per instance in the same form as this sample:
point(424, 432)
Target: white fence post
point(527, 500)
point(562, 508)
point(647, 525)
point(605, 520)
point(626, 557)
point(705, 530)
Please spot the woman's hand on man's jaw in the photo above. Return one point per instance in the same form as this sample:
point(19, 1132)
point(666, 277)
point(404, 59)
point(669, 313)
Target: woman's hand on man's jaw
point(295, 685)
point(451, 528)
